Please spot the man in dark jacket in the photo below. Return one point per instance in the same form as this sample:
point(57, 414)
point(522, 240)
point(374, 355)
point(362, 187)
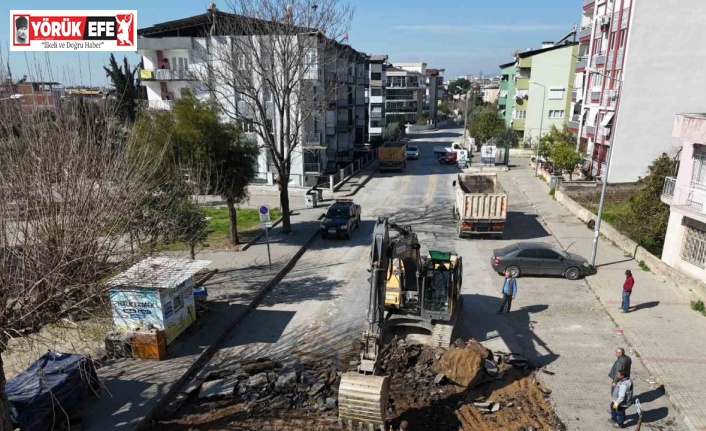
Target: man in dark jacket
point(623, 364)
point(621, 398)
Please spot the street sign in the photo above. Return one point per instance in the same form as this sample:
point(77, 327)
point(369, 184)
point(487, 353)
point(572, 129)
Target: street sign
point(264, 213)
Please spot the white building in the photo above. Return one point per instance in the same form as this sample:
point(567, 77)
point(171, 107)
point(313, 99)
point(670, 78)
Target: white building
point(376, 95)
point(175, 55)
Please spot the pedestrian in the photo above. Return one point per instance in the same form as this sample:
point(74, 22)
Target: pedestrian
point(627, 290)
point(620, 400)
point(623, 364)
point(509, 292)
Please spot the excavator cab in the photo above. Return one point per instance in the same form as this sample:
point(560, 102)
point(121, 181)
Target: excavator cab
point(441, 286)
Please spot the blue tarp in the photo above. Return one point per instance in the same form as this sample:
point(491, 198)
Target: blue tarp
point(51, 386)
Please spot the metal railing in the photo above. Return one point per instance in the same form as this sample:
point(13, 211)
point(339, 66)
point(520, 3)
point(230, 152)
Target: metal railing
point(342, 175)
point(312, 168)
point(169, 75)
point(586, 32)
point(312, 139)
point(163, 105)
point(582, 62)
point(690, 198)
point(670, 184)
point(591, 130)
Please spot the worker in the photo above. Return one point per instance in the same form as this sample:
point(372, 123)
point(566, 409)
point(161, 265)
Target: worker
point(623, 364)
point(620, 400)
point(509, 292)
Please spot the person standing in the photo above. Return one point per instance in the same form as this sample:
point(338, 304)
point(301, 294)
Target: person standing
point(622, 364)
point(620, 400)
point(627, 290)
point(509, 292)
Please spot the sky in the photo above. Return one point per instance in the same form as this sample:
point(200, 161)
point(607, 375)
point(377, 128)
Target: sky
point(464, 37)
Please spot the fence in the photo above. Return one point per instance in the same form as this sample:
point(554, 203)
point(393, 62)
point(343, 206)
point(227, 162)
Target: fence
point(340, 177)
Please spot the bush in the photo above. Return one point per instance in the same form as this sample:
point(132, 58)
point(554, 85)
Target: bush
point(421, 120)
point(394, 132)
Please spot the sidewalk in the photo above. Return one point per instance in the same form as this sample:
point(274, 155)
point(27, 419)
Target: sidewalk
point(666, 335)
point(136, 389)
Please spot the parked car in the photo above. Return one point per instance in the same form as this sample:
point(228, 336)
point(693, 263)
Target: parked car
point(412, 152)
point(536, 258)
point(448, 158)
point(341, 218)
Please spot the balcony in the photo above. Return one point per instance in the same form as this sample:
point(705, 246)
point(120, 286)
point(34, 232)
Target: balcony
point(312, 139)
point(595, 95)
point(343, 126)
point(573, 95)
point(573, 125)
point(670, 185)
point(585, 34)
point(581, 63)
point(410, 97)
point(166, 75)
point(599, 60)
point(161, 105)
point(686, 198)
point(313, 168)
point(591, 130)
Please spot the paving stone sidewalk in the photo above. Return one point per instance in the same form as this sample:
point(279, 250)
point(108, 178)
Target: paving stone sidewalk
point(667, 336)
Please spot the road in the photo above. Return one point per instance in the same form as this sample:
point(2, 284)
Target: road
point(319, 309)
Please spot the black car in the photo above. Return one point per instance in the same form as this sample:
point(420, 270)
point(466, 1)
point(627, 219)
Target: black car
point(341, 218)
point(536, 258)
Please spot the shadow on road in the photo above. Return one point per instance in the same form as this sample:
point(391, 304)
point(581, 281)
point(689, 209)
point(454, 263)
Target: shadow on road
point(644, 305)
point(523, 226)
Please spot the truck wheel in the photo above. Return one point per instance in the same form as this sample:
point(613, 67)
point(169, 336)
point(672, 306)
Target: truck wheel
point(458, 229)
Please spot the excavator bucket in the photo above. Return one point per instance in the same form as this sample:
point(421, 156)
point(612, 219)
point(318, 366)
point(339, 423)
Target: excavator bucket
point(363, 399)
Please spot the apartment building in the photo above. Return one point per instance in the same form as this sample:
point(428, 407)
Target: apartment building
point(491, 92)
point(405, 92)
point(685, 193)
point(376, 96)
point(506, 93)
point(173, 62)
point(434, 93)
point(635, 72)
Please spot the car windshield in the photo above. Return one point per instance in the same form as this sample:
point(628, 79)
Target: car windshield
point(562, 253)
point(411, 148)
point(337, 212)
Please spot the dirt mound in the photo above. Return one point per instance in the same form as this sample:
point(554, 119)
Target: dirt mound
point(464, 388)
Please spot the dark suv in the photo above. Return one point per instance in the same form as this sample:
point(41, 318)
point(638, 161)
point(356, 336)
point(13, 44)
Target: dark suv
point(341, 218)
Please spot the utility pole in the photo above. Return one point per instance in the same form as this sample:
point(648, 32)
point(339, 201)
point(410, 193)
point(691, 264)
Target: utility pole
point(541, 123)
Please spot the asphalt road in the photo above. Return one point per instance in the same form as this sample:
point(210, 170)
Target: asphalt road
point(319, 309)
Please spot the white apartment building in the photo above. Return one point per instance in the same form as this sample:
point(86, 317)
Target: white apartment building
point(376, 96)
point(637, 68)
point(173, 59)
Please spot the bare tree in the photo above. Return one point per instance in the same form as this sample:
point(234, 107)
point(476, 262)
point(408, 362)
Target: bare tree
point(266, 65)
point(69, 195)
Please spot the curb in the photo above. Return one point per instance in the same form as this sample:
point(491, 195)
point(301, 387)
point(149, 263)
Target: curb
point(364, 182)
point(211, 350)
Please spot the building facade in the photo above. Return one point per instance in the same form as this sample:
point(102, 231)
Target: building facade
point(174, 67)
point(506, 95)
point(376, 96)
point(637, 72)
point(685, 242)
point(405, 93)
point(33, 96)
point(550, 85)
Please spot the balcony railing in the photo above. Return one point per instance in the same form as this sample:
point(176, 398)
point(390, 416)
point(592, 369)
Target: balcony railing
point(574, 94)
point(163, 105)
point(581, 62)
point(599, 60)
point(312, 168)
point(591, 130)
point(573, 125)
point(688, 198)
point(670, 185)
point(166, 75)
point(595, 95)
point(312, 139)
point(400, 97)
point(585, 33)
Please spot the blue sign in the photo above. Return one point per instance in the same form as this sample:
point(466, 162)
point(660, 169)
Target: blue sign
point(264, 209)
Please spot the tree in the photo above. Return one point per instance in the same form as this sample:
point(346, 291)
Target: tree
point(67, 198)
point(126, 87)
point(272, 75)
point(485, 125)
point(460, 85)
point(565, 157)
point(394, 132)
point(555, 137)
point(188, 223)
point(647, 217)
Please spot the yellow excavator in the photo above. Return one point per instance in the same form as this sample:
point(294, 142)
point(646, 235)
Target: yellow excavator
point(407, 293)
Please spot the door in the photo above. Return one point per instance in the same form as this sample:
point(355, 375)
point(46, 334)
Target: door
point(528, 261)
point(550, 262)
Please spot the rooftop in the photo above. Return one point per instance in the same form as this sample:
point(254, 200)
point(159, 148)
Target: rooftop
point(542, 50)
point(158, 273)
point(378, 58)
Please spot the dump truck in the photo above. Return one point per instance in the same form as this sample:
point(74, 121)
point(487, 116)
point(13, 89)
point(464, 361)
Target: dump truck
point(480, 206)
point(392, 156)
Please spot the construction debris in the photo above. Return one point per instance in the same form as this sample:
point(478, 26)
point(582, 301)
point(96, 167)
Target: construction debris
point(467, 387)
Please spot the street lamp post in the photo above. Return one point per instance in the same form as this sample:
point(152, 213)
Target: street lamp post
point(541, 123)
point(604, 181)
point(465, 113)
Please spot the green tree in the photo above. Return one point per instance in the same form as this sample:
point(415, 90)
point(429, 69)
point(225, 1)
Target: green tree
point(646, 218)
point(422, 120)
point(565, 157)
point(188, 224)
point(217, 152)
point(485, 125)
point(394, 132)
point(126, 88)
point(554, 137)
point(460, 85)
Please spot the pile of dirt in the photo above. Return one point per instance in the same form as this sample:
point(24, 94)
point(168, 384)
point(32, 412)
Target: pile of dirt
point(466, 387)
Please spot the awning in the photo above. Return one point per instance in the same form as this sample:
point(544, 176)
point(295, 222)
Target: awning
point(607, 119)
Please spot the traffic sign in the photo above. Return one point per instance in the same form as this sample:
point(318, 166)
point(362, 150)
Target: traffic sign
point(264, 213)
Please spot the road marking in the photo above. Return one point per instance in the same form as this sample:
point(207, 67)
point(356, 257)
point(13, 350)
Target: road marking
point(431, 187)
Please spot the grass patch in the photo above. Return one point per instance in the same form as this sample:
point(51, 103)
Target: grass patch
point(552, 192)
point(643, 266)
point(698, 306)
point(219, 227)
point(612, 211)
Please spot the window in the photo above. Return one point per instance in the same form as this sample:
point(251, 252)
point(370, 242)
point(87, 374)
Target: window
point(547, 254)
point(248, 125)
point(556, 114)
point(556, 93)
point(694, 246)
point(698, 175)
point(376, 92)
point(623, 36)
point(520, 115)
point(529, 253)
point(612, 41)
point(178, 302)
point(376, 76)
point(266, 94)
